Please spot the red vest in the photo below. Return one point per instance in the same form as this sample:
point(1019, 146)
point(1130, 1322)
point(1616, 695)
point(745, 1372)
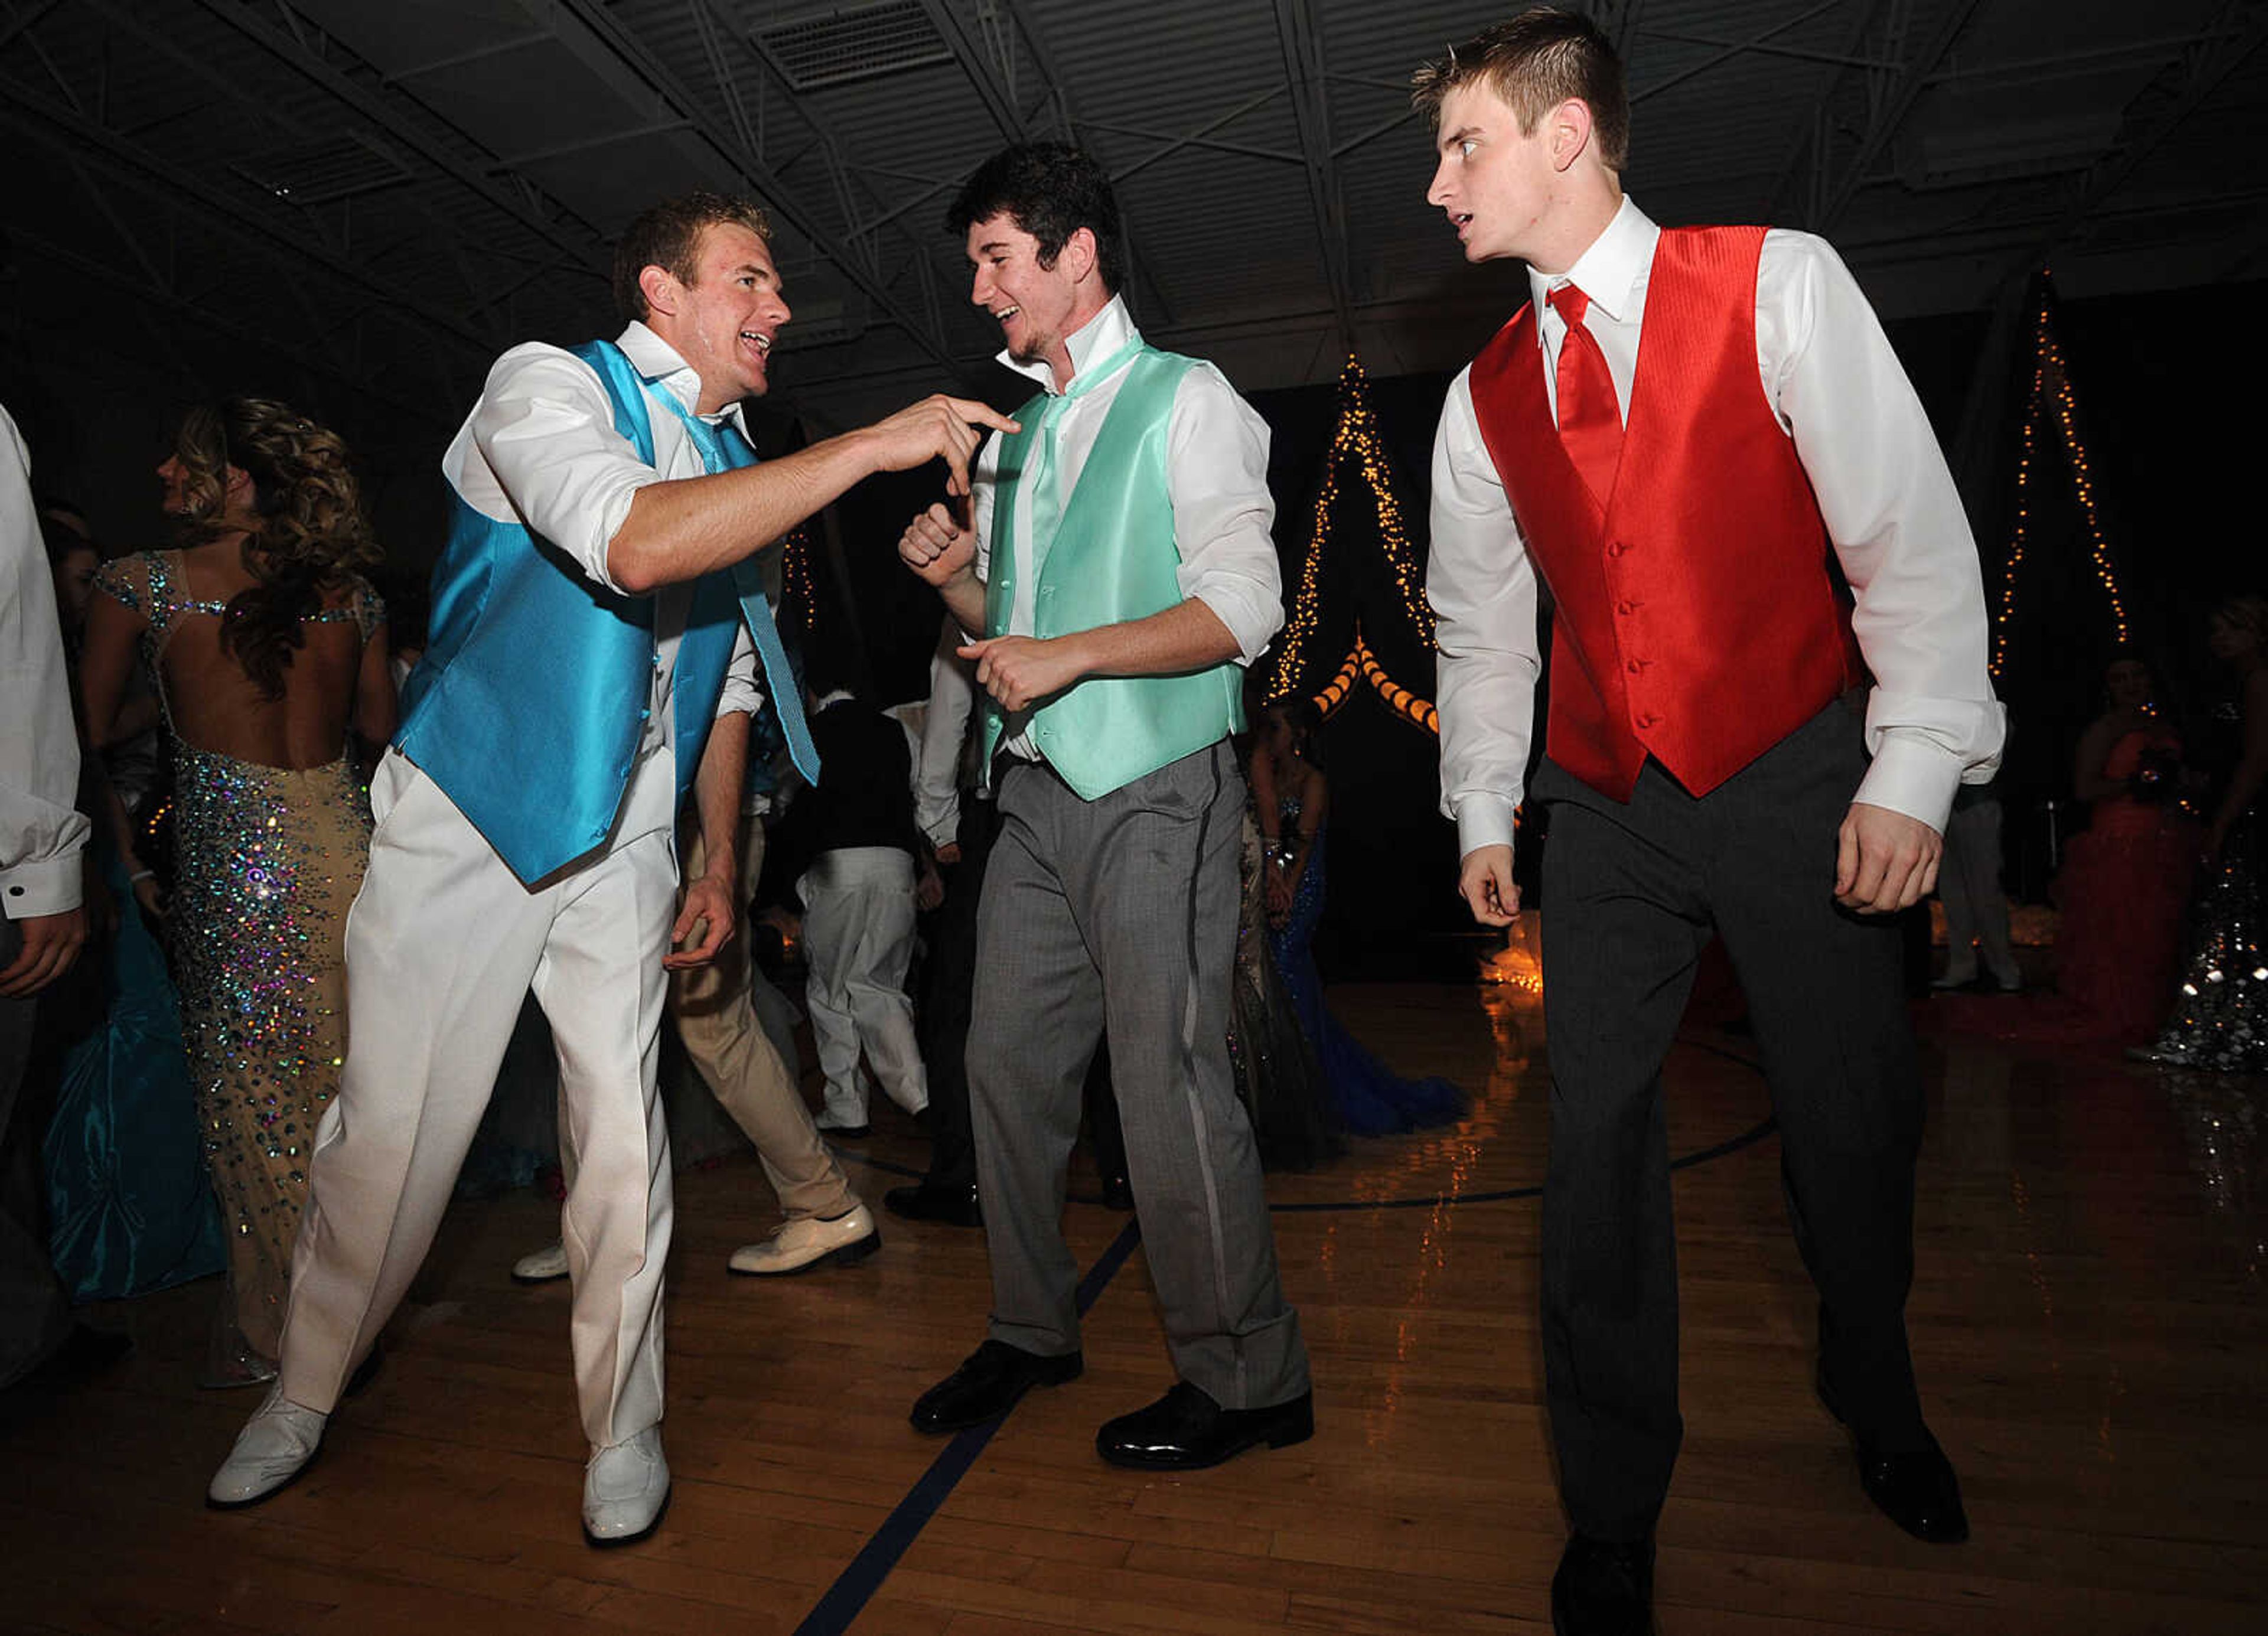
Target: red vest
point(1698, 619)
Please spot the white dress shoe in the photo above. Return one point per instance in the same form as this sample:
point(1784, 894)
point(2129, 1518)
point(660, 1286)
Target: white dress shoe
point(810, 1242)
point(625, 1489)
point(540, 1266)
point(276, 1445)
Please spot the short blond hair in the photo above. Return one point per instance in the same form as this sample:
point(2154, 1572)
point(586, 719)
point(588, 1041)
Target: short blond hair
point(1537, 61)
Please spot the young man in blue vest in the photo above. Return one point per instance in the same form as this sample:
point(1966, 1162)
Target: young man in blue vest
point(591, 620)
point(1687, 434)
point(1118, 563)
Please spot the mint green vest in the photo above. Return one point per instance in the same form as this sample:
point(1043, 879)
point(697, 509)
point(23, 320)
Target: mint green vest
point(1113, 559)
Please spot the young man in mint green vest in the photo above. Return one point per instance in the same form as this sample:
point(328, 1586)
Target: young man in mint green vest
point(1118, 563)
point(594, 638)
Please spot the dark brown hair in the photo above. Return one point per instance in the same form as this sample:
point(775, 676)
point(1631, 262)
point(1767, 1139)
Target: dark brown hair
point(1535, 63)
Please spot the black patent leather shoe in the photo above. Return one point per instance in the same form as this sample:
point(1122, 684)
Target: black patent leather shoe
point(1917, 1492)
point(987, 1385)
point(921, 1202)
point(1187, 1431)
point(1603, 1588)
point(1915, 1489)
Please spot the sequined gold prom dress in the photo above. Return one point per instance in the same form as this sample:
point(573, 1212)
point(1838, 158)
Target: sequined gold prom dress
point(267, 863)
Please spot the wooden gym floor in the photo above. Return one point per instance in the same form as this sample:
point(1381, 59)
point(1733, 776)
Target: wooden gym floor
point(2088, 1319)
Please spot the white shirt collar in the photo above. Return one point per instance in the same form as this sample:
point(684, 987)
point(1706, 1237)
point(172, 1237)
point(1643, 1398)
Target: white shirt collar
point(1099, 336)
point(1609, 272)
point(659, 363)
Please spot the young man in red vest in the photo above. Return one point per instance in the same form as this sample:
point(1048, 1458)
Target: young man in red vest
point(1696, 507)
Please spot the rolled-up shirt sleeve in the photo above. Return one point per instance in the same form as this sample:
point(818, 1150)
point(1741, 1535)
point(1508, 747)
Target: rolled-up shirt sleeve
point(1223, 511)
point(545, 428)
point(1482, 589)
point(1898, 525)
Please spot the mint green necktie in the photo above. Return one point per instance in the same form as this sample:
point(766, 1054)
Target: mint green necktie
point(1046, 490)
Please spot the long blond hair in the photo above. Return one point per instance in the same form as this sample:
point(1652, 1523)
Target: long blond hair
point(311, 533)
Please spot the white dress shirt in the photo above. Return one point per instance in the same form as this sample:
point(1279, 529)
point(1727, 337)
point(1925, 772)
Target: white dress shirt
point(944, 728)
point(41, 831)
point(540, 449)
point(1216, 469)
point(1883, 490)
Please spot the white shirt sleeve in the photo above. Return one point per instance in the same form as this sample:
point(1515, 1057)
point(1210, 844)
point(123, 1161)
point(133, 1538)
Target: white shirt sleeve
point(741, 692)
point(544, 430)
point(984, 491)
point(1896, 521)
point(945, 725)
point(1482, 589)
point(42, 833)
point(1217, 468)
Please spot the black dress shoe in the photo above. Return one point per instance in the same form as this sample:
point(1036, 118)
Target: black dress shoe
point(1603, 1588)
point(921, 1202)
point(848, 1132)
point(987, 1385)
point(1187, 1431)
point(1917, 1492)
point(1915, 1488)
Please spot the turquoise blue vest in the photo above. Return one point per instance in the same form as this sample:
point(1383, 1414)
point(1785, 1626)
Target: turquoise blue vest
point(530, 701)
point(1113, 559)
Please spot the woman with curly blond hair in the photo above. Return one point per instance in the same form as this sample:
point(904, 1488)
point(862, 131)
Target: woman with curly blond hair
point(269, 649)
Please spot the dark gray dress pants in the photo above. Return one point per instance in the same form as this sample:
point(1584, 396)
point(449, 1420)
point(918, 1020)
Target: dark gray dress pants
point(1632, 893)
point(34, 1315)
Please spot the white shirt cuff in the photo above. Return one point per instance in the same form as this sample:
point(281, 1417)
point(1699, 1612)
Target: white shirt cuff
point(51, 886)
point(1913, 776)
point(1486, 820)
point(1251, 620)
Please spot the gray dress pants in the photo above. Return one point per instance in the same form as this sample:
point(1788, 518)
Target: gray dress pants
point(1118, 915)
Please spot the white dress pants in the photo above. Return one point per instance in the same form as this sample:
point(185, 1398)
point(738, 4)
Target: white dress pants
point(442, 944)
point(858, 939)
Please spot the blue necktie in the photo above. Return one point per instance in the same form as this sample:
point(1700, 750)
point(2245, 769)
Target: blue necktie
point(718, 455)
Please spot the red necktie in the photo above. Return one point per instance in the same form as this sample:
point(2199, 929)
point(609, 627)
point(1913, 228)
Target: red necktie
point(1590, 421)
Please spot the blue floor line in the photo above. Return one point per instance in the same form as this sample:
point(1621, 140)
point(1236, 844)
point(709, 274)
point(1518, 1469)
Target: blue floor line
point(855, 1586)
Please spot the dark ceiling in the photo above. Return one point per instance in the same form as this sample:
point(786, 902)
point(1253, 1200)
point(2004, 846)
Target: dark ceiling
point(376, 196)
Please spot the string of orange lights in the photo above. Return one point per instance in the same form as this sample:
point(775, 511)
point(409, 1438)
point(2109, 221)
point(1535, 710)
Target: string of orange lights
point(1356, 441)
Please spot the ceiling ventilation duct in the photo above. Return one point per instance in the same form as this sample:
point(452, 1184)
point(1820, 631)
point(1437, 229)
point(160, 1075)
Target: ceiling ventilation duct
point(325, 171)
point(848, 42)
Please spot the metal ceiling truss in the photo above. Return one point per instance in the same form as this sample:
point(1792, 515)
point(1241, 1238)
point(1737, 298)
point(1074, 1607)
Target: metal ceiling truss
point(1830, 164)
point(1300, 34)
point(2237, 30)
point(736, 141)
point(36, 117)
point(993, 64)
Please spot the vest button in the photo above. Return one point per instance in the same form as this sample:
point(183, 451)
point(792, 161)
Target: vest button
point(1648, 718)
point(1636, 665)
point(1625, 607)
point(1616, 548)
